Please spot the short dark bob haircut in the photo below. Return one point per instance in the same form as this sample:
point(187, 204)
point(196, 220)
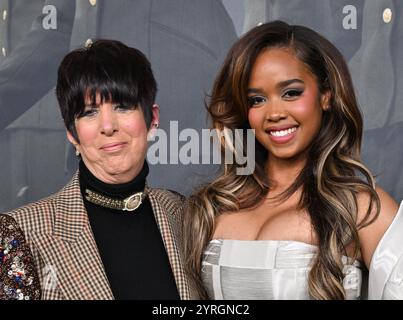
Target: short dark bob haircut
point(110, 69)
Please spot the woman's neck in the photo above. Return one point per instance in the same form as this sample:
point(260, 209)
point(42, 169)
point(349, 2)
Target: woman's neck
point(122, 190)
point(283, 172)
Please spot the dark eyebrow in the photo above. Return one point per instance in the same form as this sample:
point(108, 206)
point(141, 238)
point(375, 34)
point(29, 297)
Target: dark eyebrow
point(279, 85)
point(253, 90)
point(286, 83)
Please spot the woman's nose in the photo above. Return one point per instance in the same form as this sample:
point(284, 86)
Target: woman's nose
point(275, 111)
point(109, 123)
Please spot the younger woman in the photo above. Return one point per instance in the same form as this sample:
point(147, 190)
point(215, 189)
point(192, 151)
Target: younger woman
point(309, 218)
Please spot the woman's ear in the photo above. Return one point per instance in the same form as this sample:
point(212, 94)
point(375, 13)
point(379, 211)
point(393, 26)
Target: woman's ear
point(155, 120)
point(71, 138)
point(325, 101)
point(74, 142)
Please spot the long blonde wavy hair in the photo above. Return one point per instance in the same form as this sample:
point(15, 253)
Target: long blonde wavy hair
point(333, 174)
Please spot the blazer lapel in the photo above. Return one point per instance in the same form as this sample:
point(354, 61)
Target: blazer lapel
point(165, 225)
point(71, 252)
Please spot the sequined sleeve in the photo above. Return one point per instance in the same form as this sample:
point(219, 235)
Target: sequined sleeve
point(18, 276)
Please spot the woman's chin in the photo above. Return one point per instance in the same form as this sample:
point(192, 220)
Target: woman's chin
point(286, 154)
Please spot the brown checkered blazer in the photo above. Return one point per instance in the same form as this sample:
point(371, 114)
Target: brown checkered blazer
point(64, 249)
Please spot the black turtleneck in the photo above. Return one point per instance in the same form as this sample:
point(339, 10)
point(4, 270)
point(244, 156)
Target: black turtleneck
point(129, 243)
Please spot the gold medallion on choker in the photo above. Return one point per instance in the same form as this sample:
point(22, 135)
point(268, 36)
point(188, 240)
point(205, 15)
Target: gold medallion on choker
point(130, 203)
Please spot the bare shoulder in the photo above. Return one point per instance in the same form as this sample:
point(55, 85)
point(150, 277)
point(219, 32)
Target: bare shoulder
point(371, 235)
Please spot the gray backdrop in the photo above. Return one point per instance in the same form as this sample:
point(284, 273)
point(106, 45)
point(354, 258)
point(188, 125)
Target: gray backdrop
point(186, 41)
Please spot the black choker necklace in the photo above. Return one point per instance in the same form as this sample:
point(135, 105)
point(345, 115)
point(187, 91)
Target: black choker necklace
point(130, 203)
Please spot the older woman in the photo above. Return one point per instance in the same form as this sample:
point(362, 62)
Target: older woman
point(106, 234)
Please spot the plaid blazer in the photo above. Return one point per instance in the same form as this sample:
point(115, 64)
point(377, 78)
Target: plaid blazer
point(64, 249)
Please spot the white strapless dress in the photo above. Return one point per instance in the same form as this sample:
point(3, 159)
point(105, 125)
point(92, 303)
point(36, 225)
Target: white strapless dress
point(266, 269)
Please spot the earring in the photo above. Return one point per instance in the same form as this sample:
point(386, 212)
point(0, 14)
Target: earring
point(156, 125)
point(77, 153)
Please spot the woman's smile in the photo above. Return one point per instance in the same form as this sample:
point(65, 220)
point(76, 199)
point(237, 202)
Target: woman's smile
point(113, 147)
point(282, 134)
